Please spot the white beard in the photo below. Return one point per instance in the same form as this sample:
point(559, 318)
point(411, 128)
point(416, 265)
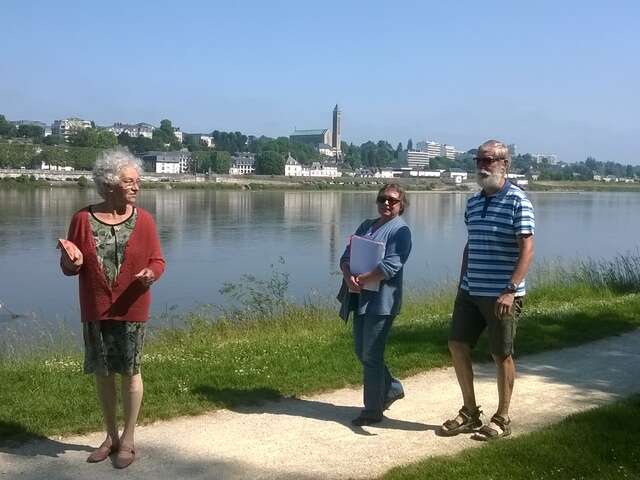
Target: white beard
point(489, 181)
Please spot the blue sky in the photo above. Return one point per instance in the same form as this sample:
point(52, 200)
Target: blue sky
point(551, 76)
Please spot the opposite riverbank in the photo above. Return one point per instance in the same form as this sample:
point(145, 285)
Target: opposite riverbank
point(75, 179)
point(284, 350)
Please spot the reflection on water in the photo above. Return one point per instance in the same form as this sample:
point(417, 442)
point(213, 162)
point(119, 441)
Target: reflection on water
point(209, 237)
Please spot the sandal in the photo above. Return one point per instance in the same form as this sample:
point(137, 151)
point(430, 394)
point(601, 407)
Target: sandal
point(125, 457)
point(102, 452)
point(470, 422)
point(487, 432)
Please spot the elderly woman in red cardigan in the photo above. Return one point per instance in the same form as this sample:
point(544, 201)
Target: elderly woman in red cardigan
point(113, 247)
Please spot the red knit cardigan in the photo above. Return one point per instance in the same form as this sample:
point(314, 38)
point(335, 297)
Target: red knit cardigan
point(127, 299)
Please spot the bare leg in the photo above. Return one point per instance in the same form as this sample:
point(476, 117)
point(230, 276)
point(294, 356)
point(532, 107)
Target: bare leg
point(461, 355)
point(106, 387)
point(506, 376)
point(132, 390)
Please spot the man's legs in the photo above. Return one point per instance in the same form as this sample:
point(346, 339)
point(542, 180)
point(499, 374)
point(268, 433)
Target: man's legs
point(506, 368)
point(461, 356)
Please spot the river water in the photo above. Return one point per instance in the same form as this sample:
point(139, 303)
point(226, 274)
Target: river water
point(211, 237)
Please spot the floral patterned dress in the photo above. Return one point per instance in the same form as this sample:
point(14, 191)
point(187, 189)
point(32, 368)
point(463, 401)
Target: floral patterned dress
point(112, 346)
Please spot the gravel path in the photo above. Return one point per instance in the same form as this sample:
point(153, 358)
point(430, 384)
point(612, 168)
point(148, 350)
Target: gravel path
point(312, 437)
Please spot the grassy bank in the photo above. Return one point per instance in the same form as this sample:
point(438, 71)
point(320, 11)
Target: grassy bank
point(582, 186)
point(292, 350)
point(599, 444)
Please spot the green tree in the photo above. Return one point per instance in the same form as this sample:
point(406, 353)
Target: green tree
point(269, 163)
point(93, 138)
point(53, 140)
point(30, 131)
point(221, 162)
point(165, 136)
point(6, 128)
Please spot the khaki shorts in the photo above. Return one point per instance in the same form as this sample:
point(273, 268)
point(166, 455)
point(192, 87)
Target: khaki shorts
point(471, 314)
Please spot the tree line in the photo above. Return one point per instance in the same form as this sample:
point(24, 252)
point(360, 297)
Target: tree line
point(30, 147)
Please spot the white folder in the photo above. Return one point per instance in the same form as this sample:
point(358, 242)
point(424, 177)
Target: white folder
point(366, 255)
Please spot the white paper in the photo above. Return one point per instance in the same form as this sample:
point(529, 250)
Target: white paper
point(365, 256)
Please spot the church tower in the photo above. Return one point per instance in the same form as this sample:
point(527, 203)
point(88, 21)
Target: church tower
point(335, 140)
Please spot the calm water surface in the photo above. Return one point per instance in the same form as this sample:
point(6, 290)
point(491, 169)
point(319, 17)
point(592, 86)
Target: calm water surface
point(211, 237)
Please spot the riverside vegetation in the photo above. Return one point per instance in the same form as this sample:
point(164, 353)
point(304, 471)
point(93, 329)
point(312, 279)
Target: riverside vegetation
point(266, 348)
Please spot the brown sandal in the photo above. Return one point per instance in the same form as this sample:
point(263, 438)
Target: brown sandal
point(470, 422)
point(125, 457)
point(102, 453)
point(487, 432)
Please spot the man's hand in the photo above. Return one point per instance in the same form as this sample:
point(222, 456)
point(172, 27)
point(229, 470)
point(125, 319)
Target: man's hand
point(504, 305)
point(146, 277)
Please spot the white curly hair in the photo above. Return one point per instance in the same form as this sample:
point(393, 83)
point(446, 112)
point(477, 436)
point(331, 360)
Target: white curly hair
point(109, 164)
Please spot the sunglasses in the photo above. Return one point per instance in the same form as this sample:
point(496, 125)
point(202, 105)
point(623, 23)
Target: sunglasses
point(485, 159)
point(392, 201)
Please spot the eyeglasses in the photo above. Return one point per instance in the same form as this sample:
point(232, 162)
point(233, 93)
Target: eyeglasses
point(130, 183)
point(485, 159)
point(392, 201)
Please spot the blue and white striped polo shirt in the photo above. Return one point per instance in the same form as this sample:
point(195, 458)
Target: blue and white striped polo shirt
point(494, 224)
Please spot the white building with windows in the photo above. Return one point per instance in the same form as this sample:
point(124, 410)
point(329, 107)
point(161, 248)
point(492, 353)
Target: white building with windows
point(167, 162)
point(448, 151)
point(413, 158)
point(455, 176)
point(243, 164)
point(68, 126)
point(134, 131)
point(292, 167)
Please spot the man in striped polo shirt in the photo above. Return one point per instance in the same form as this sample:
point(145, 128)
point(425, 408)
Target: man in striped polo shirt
point(496, 258)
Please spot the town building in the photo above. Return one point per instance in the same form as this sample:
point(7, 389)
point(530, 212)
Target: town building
point(335, 134)
point(243, 164)
point(448, 151)
point(67, 126)
point(178, 133)
point(167, 162)
point(292, 167)
point(549, 158)
point(134, 131)
point(318, 169)
point(322, 139)
point(413, 159)
point(201, 138)
point(455, 176)
point(311, 137)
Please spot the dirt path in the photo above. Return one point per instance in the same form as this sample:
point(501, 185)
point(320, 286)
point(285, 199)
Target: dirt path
point(312, 437)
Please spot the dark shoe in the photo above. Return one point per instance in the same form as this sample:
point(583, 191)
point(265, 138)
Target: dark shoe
point(364, 421)
point(487, 432)
point(393, 398)
point(102, 453)
point(124, 458)
point(469, 423)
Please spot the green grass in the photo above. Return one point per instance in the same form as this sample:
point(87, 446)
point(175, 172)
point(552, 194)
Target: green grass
point(281, 349)
point(598, 444)
point(301, 350)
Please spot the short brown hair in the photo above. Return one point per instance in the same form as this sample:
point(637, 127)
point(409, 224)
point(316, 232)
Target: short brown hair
point(404, 201)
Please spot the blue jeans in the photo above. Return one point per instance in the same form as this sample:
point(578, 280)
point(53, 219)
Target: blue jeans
point(370, 334)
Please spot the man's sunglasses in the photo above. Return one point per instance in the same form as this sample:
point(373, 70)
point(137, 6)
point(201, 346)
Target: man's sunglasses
point(485, 159)
point(392, 201)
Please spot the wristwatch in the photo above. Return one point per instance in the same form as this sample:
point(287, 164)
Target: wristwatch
point(511, 288)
